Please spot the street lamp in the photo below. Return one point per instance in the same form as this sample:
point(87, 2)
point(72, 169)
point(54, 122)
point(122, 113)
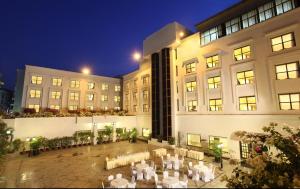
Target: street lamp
point(86, 71)
point(220, 146)
point(181, 34)
point(137, 56)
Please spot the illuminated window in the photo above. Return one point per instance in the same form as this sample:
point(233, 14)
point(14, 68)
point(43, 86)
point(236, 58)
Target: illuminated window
point(288, 71)
point(117, 98)
point(91, 85)
point(211, 35)
point(75, 84)
point(74, 96)
point(145, 108)
point(283, 42)
point(215, 104)
point(190, 68)
point(127, 86)
point(134, 108)
point(56, 81)
point(117, 88)
point(212, 61)
point(135, 83)
point(266, 11)
point(145, 132)
point(36, 79)
point(242, 53)
point(246, 77)
point(35, 94)
point(117, 108)
point(213, 140)
point(190, 86)
point(90, 97)
point(283, 6)
point(104, 98)
point(194, 140)
point(245, 150)
point(135, 94)
point(192, 105)
point(104, 86)
point(36, 107)
point(73, 107)
point(90, 108)
point(105, 108)
point(289, 101)
point(247, 103)
point(55, 95)
point(249, 18)
point(232, 26)
point(146, 80)
point(54, 107)
point(145, 94)
point(214, 82)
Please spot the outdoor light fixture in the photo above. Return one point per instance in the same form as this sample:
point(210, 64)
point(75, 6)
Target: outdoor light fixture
point(27, 139)
point(181, 34)
point(86, 71)
point(136, 56)
point(8, 132)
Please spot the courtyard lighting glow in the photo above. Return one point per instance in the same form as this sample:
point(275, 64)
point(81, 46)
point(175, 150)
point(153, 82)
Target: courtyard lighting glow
point(86, 71)
point(136, 56)
point(181, 34)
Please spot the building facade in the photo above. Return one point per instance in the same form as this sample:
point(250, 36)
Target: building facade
point(43, 88)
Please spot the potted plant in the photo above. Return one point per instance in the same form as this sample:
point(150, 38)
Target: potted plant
point(217, 151)
point(159, 138)
point(109, 131)
point(171, 142)
point(133, 135)
point(16, 144)
point(35, 145)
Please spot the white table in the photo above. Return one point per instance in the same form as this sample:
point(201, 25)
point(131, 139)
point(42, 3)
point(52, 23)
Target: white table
point(195, 155)
point(141, 167)
point(160, 152)
point(170, 182)
point(201, 169)
point(119, 183)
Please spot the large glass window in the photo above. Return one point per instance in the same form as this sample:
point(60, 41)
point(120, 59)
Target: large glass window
point(74, 96)
point(90, 107)
point(212, 61)
point(242, 53)
point(247, 103)
point(117, 88)
point(194, 140)
point(146, 80)
point(35, 93)
point(36, 107)
point(232, 26)
point(214, 140)
point(117, 98)
point(145, 94)
point(55, 94)
point(104, 98)
point(288, 71)
point(289, 101)
point(249, 18)
point(54, 107)
point(266, 11)
point(190, 86)
point(56, 81)
point(245, 77)
point(283, 42)
point(145, 108)
point(190, 68)
point(91, 85)
point(210, 35)
point(192, 105)
point(214, 82)
point(283, 6)
point(145, 132)
point(245, 150)
point(215, 104)
point(134, 108)
point(104, 87)
point(90, 97)
point(73, 107)
point(75, 84)
point(36, 79)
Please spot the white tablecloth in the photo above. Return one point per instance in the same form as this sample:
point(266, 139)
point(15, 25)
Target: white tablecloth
point(159, 152)
point(119, 183)
point(181, 151)
point(195, 155)
point(170, 181)
point(201, 169)
point(141, 167)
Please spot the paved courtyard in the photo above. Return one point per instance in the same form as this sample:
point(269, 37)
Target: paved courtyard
point(82, 167)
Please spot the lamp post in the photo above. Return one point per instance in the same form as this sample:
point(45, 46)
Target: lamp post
point(220, 146)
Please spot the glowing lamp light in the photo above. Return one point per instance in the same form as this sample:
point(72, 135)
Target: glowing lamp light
point(27, 139)
point(136, 56)
point(181, 34)
point(220, 146)
point(8, 132)
point(86, 71)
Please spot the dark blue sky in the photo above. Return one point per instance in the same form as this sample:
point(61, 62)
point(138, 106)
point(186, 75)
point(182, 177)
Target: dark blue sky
point(68, 34)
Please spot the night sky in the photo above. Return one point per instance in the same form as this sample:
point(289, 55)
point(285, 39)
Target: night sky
point(102, 34)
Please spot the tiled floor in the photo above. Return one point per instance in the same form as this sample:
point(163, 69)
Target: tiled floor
point(80, 167)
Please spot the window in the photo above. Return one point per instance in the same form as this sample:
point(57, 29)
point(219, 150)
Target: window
point(135, 94)
point(283, 42)
point(194, 140)
point(37, 80)
point(36, 107)
point(35, 94)
point(117, 98)
point(90, 97)
point(266, 12)
point(127, 86)
point(55, 95)
point(146, 80)
point(176, 70)
point(117, 88)
point(54, 107)
point(215, 104)
point(145, 108)
point(175, 52)
point(246, 77)
point(214, 82)
point(105, 108)
point(73, 107)
point(283, 6)
point(213, 140)
point(249, 19)
point(134, 108)
point(242, 53)
point(192, 105)
point(247, 103)
point(288, 71)
point(104, 98)
point(289, 101)
point(211, 35)
point(190, 86)
point(212, 61)
point(177, 104)
point(56, 81)
point(145, 132)
point(177, 89)
point(245, 150)
point(232, 26)
point(190, 68)
point(145, 95)
point(74, 96)
point(75, 84)
point(135, 83)
point(91, 85)
point(90, 108)
point(104, 86)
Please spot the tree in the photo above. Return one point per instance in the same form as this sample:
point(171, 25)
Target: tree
point(274, 159)
point(6, 136)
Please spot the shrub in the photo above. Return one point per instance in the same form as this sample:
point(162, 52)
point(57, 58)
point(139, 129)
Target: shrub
point(29, 111)
point(171, 140)
point(16, 144)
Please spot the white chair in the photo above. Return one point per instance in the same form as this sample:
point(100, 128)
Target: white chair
point(131, 185)
point(110, 177)
point(165, 174)
point(201, 163)
point(147, 174)
point(176, 165)
point(190, 165)
point(184, 182)
point(190, 173)
point(196, 176)
point(152, 164)
point(133, 173)
point(143, 162)
point(206, 176)
point(176, 156)
point(169, 165)
point(181, 162)
point(132, 164)
point(118, 176)
point(140, 175)
point(176, 174)
point(132, 179)
point(168, 156)
point(157, 183)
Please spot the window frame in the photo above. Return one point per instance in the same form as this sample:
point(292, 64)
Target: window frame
point(242, 53)
point(37, 93)
point(190, 68)
point(76, 84)
point(73, 96)
point(245, 18)
point(247, 103)
point(230, 25)
point(290, 101)
point(36, 107)
point(281, 5)
point(191, 88)
point(104, 98)
point(293, 40)
point(245, 78)
point(262, 11)
point(117, 88)
point(187, 140)
point(214, 64)
point(37, 81)
point(287, 71)
point(190, 108)
point(217, 107)
point(215, 84)
point(145, 108)
point(55, 94)
point(57, 82)
point(104, 87)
